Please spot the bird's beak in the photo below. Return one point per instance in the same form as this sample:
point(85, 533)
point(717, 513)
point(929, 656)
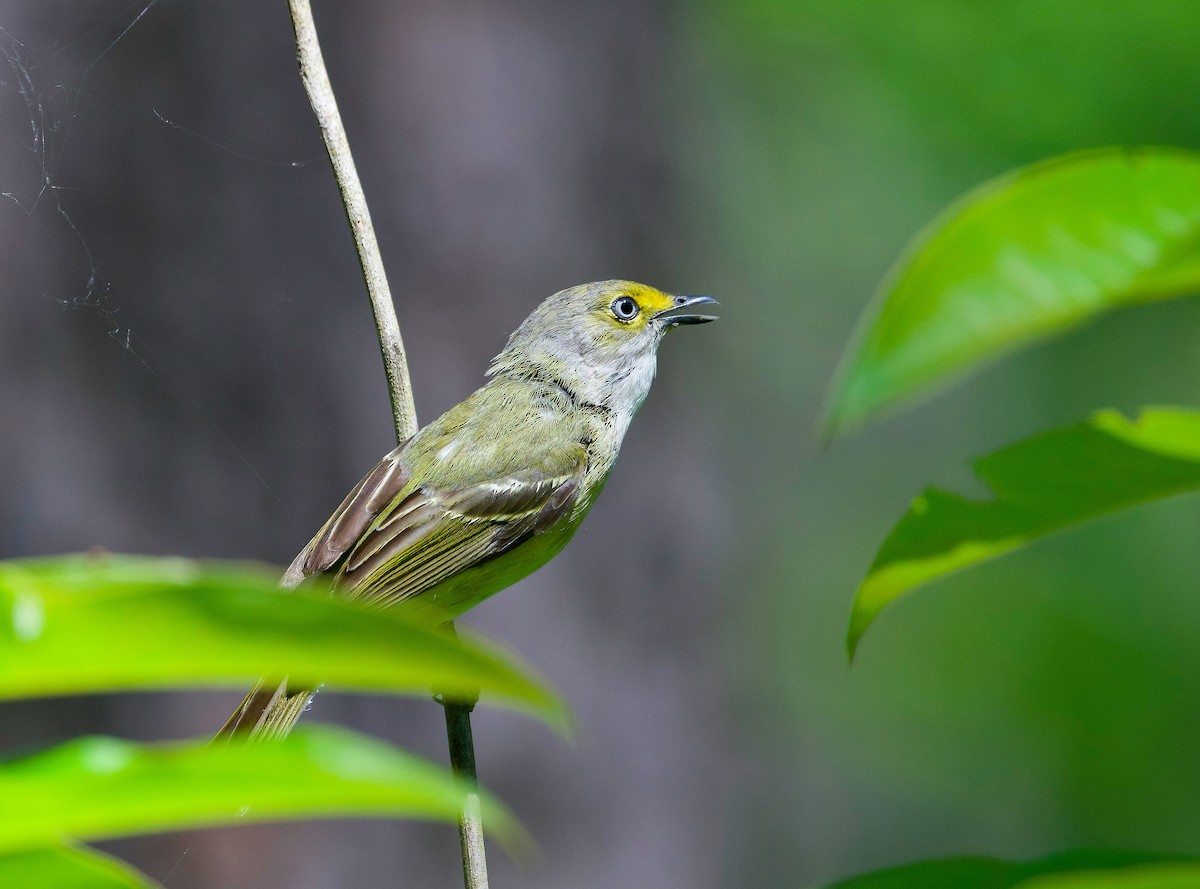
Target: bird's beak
point(680, 314)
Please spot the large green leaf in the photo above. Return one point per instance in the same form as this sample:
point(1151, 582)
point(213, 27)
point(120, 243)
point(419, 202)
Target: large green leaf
point(994, 873)
point(69, 868)
point(1149, 876)
point(92, 788)
point(1021, 257)
point(1041, 484)
point(86, 624)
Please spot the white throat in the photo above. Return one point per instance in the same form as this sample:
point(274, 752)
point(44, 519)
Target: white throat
point(620, 386)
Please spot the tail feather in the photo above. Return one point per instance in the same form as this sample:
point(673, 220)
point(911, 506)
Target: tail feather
point(283, 716)
point(267, 713)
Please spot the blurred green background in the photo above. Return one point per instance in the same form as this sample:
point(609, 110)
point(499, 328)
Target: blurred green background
point(188, 366)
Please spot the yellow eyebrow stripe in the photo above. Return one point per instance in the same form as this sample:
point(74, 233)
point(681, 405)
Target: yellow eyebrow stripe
point(650, 299)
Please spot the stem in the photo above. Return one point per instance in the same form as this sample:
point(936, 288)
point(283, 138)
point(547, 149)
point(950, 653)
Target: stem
point(395, 365)
point(470, 825)
point(320, 96)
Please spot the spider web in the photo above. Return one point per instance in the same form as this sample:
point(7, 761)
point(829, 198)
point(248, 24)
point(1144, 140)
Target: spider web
point(31, 93)
point(47, 108)
point(39, 110)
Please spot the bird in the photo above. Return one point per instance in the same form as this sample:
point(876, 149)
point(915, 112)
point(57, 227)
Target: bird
point(497, 485)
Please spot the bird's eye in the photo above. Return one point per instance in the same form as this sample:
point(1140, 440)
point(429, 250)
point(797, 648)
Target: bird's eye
point(625, 308)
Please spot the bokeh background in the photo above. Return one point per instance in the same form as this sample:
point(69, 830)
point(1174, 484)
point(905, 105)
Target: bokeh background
point(187, 365)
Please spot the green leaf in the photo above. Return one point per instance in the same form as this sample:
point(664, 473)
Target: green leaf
point(948, 873)
point(1029, 254)
point(994, 873)
point(1041, 484)
point(65, 867)
point(87, 624)
point(1150, 876)
point(94, 788)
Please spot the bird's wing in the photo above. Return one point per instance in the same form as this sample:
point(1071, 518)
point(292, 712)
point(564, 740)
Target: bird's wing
point(431, 534)
point(349, 522)
point(391, 539)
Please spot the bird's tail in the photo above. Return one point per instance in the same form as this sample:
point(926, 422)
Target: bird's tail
point(267, 713)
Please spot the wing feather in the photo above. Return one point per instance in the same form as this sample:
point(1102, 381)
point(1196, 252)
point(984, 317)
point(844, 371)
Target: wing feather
point(393, 538)
point(350, 520)
point(420, 546)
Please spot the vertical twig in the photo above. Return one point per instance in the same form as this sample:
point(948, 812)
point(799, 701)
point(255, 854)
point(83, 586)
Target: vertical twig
point(320, 95)
point(470, 824)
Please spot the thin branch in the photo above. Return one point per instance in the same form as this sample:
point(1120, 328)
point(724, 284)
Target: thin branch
point(470, 824)
point(320, 95)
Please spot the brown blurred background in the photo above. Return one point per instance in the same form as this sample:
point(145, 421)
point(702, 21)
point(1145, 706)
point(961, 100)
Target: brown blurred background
point(187, 365)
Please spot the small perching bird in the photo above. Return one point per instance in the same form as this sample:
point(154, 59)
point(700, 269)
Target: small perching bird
point(491, 490)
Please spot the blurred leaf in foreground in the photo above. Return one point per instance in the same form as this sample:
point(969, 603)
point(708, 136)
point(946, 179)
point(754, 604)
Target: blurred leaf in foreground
point(1024, 256)
point(64, 867)
point(1043, 483)
point(1148, 876)
point(93, 788)
point(994, 873)
point(82, 624)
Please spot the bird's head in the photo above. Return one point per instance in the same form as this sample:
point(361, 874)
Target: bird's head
point(600, 340)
